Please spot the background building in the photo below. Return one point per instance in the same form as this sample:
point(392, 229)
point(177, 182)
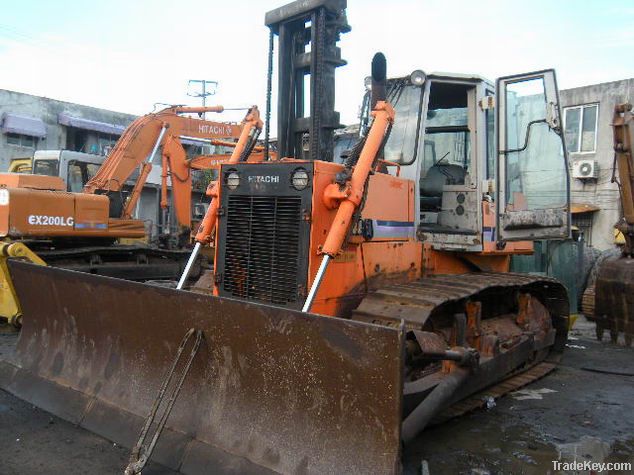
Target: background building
point(29, 123)
point(587, 124)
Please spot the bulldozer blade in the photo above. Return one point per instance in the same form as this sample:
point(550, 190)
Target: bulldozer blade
point(270, 389)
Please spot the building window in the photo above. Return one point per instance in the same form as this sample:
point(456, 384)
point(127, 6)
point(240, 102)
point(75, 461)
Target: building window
point(580, 126)
point(21, 140)
point(583, 221)
point(105, 143)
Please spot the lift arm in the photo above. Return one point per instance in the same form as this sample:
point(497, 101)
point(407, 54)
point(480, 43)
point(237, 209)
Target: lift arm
point(349, 196)
point(251, 128)
point(176, 163)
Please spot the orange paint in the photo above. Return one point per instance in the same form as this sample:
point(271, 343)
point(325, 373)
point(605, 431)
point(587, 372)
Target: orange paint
point(383, 114)
point(251, 123)
point(43, 213)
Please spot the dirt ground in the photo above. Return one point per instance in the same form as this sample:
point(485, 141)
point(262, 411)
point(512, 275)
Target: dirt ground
point(576, 412)
point(579, 411)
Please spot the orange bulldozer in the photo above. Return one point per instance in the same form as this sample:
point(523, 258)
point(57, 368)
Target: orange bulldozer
point(354, 299)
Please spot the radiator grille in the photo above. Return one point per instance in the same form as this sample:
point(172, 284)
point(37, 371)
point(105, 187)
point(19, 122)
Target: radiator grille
point(262, 248)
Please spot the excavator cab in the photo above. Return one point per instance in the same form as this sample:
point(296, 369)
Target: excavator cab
point(489, 160)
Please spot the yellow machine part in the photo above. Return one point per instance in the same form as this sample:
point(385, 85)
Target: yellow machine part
point(618, 237)
point(9, 304)
point(572, 319)
point(20, 165)
point(133, 241)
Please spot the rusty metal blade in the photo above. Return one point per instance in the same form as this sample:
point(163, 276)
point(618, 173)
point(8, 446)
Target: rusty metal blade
point(614, 296)
point(270, 389)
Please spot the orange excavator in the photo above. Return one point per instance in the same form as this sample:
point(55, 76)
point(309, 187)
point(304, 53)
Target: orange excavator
point(35, 205)
point(143, 138)
point(41, 221)
point(614, 287)
point(355, 300)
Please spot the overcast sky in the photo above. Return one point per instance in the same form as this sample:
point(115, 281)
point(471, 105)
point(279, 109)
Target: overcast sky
point(127, 55)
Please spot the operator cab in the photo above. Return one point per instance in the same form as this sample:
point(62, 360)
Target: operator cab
point(470, 197)
point(75, 168)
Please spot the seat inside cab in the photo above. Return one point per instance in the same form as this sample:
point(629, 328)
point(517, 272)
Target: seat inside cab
point(446, 160)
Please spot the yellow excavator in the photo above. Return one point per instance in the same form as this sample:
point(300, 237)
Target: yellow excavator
point(355, 300)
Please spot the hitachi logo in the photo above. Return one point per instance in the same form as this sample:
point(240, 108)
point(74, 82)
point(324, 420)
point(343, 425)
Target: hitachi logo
point(216, 129)
point(264, 179)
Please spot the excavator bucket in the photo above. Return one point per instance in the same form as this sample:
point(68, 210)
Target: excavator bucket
point(614, 299)
point(270, 390)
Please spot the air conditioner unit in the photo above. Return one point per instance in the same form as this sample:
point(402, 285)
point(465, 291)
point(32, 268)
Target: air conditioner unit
point(585, 169)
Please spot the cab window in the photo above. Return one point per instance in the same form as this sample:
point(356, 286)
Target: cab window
point(407, 101)
point(447, 146)
point(78, 175)
point(46, 167)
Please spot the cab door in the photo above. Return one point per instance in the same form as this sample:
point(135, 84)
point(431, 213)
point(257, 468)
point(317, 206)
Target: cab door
point(533, 188)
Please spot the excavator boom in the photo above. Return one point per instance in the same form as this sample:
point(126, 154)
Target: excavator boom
point(136, 143)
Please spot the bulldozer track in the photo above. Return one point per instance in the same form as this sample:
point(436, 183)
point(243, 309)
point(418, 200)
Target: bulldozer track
point(131, 262)
point(415, 302)
point(432, 305)
point(480, 399)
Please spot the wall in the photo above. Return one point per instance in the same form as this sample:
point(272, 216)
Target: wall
point(600, 192)
point(48, 110)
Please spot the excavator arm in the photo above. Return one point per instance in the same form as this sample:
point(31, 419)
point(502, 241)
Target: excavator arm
point(624, 162)
point(141, 140)
point(251, 128)
point(614, 286)
point(176, 163)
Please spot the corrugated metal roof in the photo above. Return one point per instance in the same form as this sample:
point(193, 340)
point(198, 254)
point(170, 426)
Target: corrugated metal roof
point(87, 124)
point(24, 125)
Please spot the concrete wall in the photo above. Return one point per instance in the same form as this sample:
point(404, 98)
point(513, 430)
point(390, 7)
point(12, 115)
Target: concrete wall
point(56, 134)
point(600, 192)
